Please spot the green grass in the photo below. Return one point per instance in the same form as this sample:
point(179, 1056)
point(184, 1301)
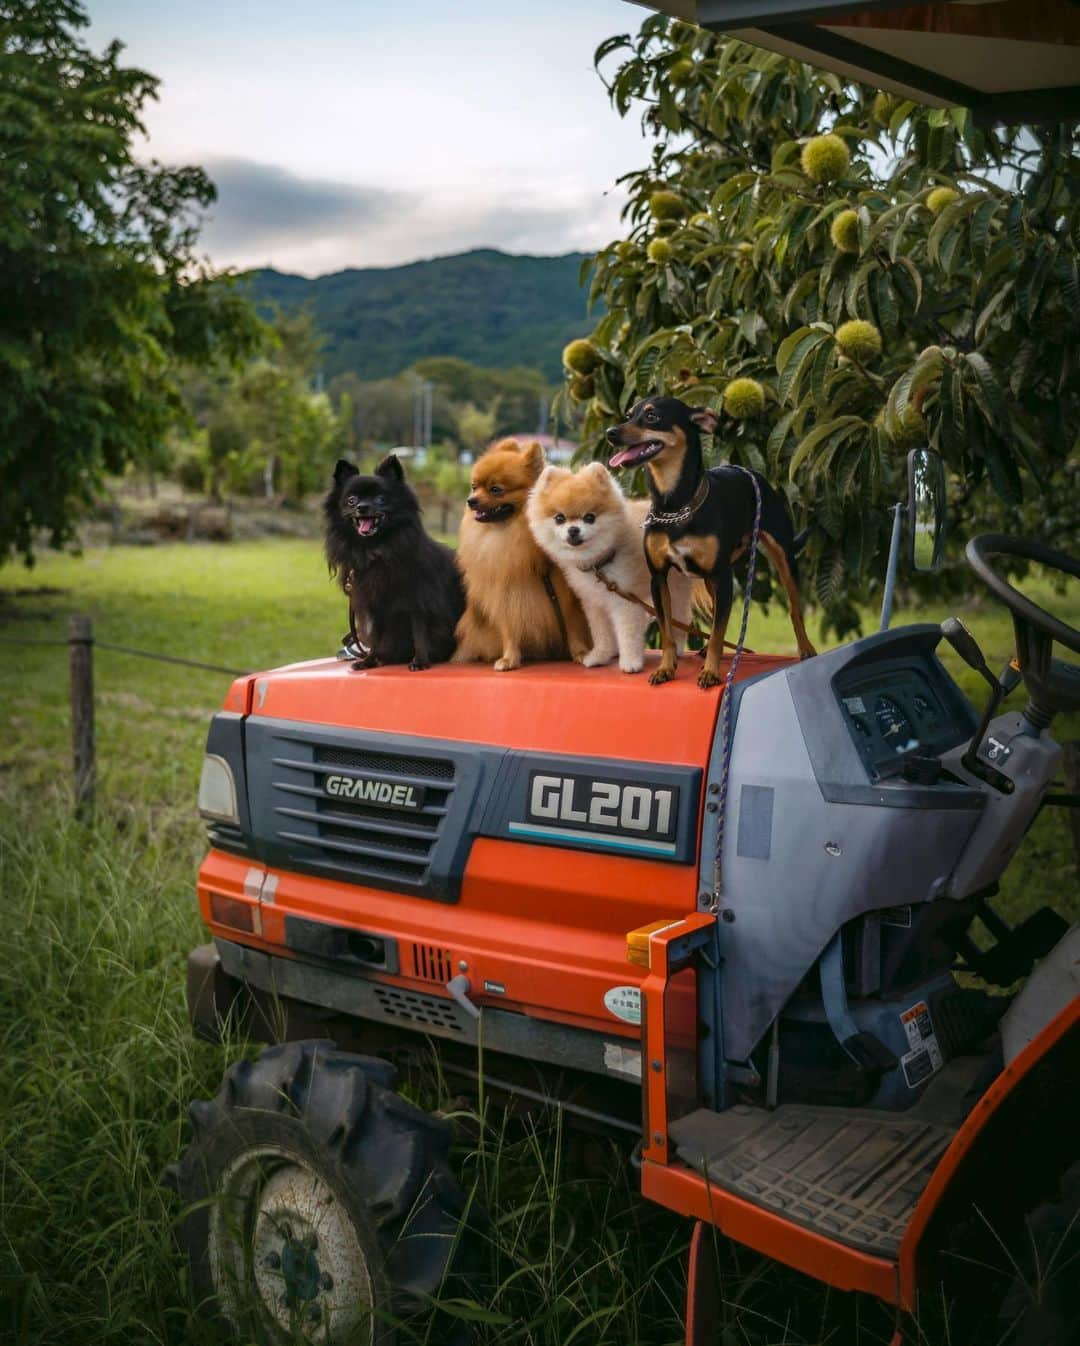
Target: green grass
point(99, 1061)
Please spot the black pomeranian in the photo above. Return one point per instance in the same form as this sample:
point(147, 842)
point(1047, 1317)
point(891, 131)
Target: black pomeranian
point(404, 589)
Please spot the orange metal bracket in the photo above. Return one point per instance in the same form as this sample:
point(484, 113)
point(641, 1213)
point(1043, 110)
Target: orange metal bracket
point(681, 1189)
point(669, 948)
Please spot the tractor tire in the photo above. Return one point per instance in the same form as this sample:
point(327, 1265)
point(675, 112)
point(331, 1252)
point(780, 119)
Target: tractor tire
point(319, 1204)
point(1042, 1304)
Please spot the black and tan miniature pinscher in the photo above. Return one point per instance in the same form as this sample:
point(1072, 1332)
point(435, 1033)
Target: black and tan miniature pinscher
point(701, 521)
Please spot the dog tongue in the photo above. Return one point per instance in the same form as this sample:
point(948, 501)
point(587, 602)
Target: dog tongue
point(629, 455)
point(364, 526)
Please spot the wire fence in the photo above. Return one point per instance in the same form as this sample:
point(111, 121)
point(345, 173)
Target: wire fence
point(81, 643)
point(128, 649)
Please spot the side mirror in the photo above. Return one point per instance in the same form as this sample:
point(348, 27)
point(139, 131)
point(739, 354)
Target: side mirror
point(926, 510)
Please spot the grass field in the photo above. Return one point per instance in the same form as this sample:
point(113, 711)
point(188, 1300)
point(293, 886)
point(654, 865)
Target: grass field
point(99, 1061)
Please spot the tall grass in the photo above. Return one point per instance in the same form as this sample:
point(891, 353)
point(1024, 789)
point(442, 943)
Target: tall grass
point(100, 1065)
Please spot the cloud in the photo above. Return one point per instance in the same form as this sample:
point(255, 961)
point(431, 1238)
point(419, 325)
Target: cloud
point(264, 205)
point(268, 215)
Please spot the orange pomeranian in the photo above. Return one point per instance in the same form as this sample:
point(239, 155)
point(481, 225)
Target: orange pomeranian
point(510, 615)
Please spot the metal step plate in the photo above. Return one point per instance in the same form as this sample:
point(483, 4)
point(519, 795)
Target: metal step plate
point(847, 1173)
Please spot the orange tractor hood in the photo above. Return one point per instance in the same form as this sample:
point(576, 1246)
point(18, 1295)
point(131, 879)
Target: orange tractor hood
point(549, 707)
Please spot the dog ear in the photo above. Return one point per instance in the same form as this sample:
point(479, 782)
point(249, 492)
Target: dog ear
point(390, 467)
point(534, 457)
point(705, 419)
point(595, 469)
point(343, 470)
point(550, 474)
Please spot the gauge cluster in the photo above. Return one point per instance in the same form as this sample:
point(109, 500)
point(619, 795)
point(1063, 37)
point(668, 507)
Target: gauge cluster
point(895, 713)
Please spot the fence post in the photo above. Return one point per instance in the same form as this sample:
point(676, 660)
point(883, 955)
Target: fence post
point(81, 648)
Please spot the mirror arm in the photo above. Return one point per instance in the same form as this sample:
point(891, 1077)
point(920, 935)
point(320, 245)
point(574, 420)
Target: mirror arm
point(899, 511)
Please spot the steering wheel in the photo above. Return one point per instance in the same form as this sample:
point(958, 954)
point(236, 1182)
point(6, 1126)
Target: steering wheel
point(1054, 685)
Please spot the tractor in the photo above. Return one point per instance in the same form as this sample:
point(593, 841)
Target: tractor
point(756, 931)
point(752, 929)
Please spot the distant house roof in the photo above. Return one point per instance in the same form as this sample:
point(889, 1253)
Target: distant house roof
point(557, 448)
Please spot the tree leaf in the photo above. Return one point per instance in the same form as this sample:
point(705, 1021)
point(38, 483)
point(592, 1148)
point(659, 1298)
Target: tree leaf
point(841, 426)
point(989, 385)
point(795, 362)
point(609, 45)
point(905, 267)
point(1001, 469)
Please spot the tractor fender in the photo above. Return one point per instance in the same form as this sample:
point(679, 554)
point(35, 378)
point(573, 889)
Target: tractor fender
point(1017, 1140)
point(1053, 984)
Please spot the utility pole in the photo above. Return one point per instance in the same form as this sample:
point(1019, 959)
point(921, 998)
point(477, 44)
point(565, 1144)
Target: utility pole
point(428, 389)
point(542, 415)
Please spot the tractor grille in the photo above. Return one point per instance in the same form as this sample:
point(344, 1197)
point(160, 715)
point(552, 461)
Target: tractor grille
point(426, 1010)
point(380, 762)
point(430, 963)
point(360, 839)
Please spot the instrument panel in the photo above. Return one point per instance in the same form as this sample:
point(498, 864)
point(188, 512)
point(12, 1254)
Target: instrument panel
point(895, 713)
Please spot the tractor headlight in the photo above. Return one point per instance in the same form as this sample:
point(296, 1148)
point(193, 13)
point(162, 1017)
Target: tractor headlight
point(217, 790)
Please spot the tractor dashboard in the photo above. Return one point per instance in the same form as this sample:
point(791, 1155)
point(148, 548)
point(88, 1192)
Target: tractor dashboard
point(900, 709)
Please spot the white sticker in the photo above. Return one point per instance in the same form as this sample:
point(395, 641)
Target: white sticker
point(625, 1003)
point(620, 1060)
point(855, 705)
point(925, 1057)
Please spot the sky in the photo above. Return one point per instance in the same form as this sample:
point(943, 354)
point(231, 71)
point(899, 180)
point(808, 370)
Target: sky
point(352, 133)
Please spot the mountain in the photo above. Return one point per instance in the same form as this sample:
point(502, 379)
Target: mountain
point(487, 307)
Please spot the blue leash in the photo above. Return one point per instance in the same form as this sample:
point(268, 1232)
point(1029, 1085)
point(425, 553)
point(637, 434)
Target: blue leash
point(725, 701)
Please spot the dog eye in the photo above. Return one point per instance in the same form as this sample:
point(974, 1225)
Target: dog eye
point(588, 518)
point(650, 416)
point(352, 500)
point(495, 490)
point(560, 518)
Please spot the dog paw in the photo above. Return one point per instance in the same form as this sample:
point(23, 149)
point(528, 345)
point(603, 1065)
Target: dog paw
point(707, 680)
point(661, 675)
point(631, 665)
point(418, 666)
point(594, 658)
point(505, 665)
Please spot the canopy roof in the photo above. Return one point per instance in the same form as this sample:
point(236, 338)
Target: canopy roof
point(1008, 60)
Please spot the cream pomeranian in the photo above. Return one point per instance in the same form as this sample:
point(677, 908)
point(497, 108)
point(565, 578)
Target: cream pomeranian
point(584, 523)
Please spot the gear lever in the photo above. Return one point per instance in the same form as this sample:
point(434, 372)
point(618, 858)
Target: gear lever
point(967, 647)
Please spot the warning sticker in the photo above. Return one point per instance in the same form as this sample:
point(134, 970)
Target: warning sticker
point(625, 1003)
point(924, 1054)
point(855, 705)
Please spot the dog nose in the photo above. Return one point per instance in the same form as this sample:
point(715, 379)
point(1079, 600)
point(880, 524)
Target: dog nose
point(573, 532)
point(612, 434)
point(473, 501)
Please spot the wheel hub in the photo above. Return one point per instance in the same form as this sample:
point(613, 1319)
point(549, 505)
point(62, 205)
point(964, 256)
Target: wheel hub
point(284, 1246)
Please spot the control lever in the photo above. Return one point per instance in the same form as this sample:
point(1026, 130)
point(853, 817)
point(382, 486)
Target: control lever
point(967, 647)
point(1010, 676)
point(459, 987)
